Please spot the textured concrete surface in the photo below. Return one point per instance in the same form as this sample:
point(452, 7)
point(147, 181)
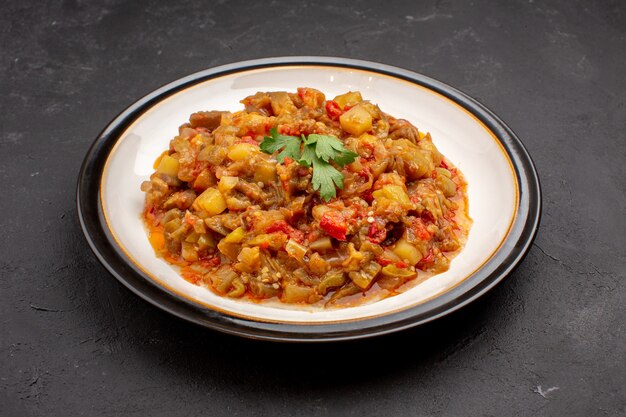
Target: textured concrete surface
point(550, 341)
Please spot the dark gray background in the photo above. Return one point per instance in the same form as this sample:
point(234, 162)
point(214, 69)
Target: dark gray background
point(550, 341)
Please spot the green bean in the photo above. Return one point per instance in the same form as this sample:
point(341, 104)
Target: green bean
point(333, 279)
point(346, 290)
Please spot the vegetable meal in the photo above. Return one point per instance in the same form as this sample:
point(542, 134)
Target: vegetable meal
point(303, 200)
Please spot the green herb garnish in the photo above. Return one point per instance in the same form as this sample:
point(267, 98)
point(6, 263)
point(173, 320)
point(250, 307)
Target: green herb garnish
point(290, 145)
point(316, 151)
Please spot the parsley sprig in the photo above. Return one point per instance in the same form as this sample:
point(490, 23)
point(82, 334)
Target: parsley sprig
point(316, 151)
point(290, 145)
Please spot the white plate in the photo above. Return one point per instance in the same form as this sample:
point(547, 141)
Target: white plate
point(467, 134)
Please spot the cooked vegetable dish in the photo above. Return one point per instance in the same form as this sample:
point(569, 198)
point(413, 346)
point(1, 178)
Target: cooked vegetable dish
point(300, 199)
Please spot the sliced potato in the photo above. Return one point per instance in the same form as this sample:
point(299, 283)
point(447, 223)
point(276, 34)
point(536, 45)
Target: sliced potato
point(242, 151)
point(356, 121)
point(210, 201)
point(350, 98)
point(394, 192)
point(227, 183)
point(407, 252)
point(235, 236)
point(168, 165)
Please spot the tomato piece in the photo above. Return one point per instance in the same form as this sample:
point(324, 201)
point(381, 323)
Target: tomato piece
point(280, 226)
point(420, 230)
point(333, 110)
point(377, 233)
point(428, 217)
point(211, 263)
point(364, 173)
point(189, 218)
point(383, 262)
point(191, 275)
point(443, 164)
point(334, 224)
point(289, 130)
point(427, 260)
point(198, 167)
point(297, 235)
point(283, 227)
point(247, 139)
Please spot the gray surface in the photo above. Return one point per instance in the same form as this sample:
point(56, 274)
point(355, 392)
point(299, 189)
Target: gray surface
point(550, 341)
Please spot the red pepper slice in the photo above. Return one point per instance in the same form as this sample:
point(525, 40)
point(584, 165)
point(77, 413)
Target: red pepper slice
point(383, 262)
point(334, 224)
point(427, 260)
point(333, 110)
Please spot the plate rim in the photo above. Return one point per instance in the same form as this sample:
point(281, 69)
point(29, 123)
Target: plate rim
point(505, 259)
